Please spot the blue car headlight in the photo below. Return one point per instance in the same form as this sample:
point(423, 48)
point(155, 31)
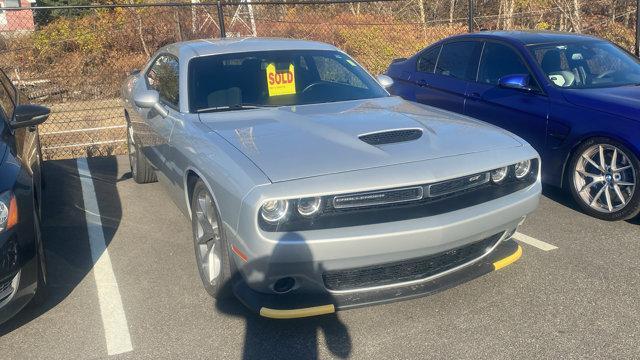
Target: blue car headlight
point(8, 211)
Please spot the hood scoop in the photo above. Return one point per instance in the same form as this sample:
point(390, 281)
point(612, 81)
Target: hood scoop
point(391, 136)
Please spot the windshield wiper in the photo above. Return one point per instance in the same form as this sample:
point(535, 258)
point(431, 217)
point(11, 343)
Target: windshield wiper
point(234, 107)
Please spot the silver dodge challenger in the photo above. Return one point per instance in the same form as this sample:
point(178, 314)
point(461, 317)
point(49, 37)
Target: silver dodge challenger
point(309, 188)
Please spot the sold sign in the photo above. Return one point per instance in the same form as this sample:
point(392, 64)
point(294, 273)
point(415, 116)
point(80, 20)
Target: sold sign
point(281, 82)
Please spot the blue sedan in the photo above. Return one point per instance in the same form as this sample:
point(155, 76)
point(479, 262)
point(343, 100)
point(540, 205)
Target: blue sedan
point(575, 98)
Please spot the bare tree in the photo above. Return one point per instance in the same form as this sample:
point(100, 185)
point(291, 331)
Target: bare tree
point(510, 6)
point(570, 10)
point(452, 7)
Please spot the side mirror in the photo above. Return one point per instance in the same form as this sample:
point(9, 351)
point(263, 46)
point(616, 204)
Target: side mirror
point(150, 99)
point(516, 82)
point(385, 81)
point(29, 115)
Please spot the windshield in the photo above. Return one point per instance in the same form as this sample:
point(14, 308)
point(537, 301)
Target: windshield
point(277, 78)
point(592, 64)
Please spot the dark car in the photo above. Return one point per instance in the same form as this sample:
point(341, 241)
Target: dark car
point(575, 98)
point(22, 262)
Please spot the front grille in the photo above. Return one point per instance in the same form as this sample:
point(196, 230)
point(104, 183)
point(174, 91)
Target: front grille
point(392, 136)
point(5, 289)
point(374, 198)
point(396, 204)
point(9, 256)
point(407, 270)
point(456, 185)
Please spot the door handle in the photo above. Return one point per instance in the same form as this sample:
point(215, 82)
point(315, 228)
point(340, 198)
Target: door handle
point(474, 96)
point(422, 83)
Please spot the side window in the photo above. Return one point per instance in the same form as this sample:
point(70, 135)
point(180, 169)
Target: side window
point(499, 60)
point(428, 59)
point(332, 70)
point(163, 77)
point(7, 97)
point(459, 60)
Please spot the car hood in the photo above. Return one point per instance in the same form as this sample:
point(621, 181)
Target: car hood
point(621, 101)
point(303, 141)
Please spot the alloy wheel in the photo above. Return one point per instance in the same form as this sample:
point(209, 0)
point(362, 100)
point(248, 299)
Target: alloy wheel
point(207, 237)
point(604, 178)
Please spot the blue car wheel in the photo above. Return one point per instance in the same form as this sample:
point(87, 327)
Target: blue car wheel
point(603, 179)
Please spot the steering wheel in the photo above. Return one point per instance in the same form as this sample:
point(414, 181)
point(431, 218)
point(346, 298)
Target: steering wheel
point(606, 73)
point(311, 86)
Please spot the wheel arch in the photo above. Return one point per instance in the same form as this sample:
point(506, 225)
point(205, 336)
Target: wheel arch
point(191, 176)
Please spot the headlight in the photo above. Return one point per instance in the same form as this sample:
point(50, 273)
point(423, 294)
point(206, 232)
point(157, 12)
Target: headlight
point(522, 169)
point(274, 211)
point(8, 211)
point(309, 206)
point(498, 175)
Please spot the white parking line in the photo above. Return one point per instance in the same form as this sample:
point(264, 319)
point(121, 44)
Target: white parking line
point(533, 242)
point(114, 321)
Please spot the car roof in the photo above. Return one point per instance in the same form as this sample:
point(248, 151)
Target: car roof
point(206, 47)
point(532, 37)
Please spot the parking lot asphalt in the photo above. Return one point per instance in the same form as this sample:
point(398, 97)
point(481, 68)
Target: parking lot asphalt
point(146, 302)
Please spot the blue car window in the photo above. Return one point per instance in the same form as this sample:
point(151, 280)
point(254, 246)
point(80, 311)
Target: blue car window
point(587, 64)
point(499, 60)
point(459, 60)
point(427, 60)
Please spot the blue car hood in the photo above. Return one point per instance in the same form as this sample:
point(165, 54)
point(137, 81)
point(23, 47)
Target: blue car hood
point(621, 101)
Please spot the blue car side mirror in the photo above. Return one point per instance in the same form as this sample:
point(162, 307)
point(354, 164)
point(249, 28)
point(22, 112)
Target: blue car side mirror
point(516, 81)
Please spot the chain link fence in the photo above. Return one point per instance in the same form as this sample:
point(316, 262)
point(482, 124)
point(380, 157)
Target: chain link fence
point(74, 58)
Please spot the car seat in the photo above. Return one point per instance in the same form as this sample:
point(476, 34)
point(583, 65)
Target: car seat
point(552, 66)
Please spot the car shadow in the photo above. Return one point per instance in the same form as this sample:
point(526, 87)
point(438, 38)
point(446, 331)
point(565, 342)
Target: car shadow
point(267, 338)
point(560, 196)
point(64, 228)
point(564, 198)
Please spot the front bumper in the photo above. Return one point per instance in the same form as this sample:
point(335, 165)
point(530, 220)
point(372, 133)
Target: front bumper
point(25, 282)
point(19, 274)
point(297, 305)
point(264, 258)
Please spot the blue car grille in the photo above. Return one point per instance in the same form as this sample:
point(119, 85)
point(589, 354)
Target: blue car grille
point(408, 270)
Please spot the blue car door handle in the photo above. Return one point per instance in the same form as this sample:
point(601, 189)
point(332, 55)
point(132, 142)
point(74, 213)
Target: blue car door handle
point(422, 83)
point(474, 96)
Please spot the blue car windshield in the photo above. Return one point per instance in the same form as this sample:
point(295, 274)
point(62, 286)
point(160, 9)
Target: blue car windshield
point(587, 64)
point(277, 78)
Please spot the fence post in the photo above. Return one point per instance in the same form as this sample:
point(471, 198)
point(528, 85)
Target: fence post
point(223, 33)
point(471, 11)
point(637, 49)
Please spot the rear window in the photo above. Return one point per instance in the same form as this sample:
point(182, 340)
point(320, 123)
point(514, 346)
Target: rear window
point(277, 78)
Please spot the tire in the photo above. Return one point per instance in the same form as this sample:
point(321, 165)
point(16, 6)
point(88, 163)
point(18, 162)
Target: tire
point(141, 170)
point(210, 243)
point(41, 294)
point(601, 188)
